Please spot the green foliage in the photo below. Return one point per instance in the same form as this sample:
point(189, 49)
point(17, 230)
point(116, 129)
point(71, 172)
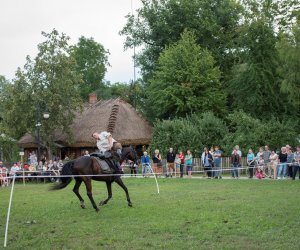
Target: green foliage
point(113, 90)
point(254, 86)
point(289, 54)
point(249, 132)
point(197, 131)
point(159, 23)
point(49, 81)
point(185, 81)
point(193, 133)
point(280, 14)
point(91, 58)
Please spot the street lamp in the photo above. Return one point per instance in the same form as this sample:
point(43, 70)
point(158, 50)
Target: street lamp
point(38, 125)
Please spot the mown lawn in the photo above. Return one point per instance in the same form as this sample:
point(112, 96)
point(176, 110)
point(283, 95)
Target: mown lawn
point(187, 214)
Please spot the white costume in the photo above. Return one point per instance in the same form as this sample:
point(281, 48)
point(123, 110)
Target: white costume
point(103, 142)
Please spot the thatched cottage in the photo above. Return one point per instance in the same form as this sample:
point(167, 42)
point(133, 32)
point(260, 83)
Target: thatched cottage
point(115, 115)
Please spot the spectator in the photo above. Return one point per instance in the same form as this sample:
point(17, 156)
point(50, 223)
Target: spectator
point(3, 175)
point(133, 168)
point(50, 164)
point(282, 159)
point(261, 166)
point(259, 153)
point(31, 168)
point(60, 164)
point(250, 162)
point(189, 163)
point(296, 165)
point(273, 164)
point(289, 161)
point(40, 166)
point(266, 156)
point(207, 160)
point(55, 168)
point(14, 170)
point(237, 148)
point(181, 157)
point(177, 163)
point(157, 165)
point(259, 173)
point(32, 158)
point(86, 153)
point(170, 162)
point(217, 153)
point(235, 163)
point(145, 163)
point(25, 167)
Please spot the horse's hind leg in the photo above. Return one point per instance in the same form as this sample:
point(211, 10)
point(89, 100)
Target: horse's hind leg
point(109, 192)
point(122, 185)
point(88, 185)
point(76, 191)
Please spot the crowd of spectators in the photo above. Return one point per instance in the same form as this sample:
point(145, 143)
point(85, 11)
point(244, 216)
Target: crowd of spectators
point(31, 168)
point(265, 164)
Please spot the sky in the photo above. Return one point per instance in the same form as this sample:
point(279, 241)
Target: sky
point(22, 21)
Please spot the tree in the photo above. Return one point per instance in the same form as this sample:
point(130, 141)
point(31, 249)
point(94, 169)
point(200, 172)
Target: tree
point(49, 81)
point(279, 14)
point(250, 132)
point(92, 60)
point(254, 86)
point(159, 23)
point(190, 133)
point(289, 54)
point(186, 81)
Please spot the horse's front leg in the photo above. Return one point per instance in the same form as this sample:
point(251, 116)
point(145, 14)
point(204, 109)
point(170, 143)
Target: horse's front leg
point(109, 192)
point(88, 184)
point(122, 185)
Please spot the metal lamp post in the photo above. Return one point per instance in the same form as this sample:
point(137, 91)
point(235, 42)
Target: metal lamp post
point(38, 125)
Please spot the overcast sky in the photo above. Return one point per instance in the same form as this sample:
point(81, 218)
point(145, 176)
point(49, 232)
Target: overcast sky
point(22, 21)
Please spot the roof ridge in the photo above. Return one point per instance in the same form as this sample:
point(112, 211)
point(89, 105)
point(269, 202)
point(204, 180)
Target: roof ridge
point(113, 118)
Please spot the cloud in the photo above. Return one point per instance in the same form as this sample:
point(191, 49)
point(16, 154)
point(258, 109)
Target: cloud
point(21, 24)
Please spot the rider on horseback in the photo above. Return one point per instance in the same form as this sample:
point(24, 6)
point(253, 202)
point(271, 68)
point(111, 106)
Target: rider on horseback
point(109, 148)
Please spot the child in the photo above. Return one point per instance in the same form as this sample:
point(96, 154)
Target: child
point(259, 174)
point(260, 168)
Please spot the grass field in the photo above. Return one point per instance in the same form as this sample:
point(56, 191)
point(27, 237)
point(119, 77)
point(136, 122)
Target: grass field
point(187, 214)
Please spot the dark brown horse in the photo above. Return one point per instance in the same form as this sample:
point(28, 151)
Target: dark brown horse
point(88, 166)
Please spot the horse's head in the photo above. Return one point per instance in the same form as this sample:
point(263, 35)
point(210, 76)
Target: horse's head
point(129, 153)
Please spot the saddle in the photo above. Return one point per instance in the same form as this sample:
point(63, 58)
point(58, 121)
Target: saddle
point(105, 162)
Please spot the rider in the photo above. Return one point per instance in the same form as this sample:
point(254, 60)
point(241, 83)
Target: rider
point(105, 143)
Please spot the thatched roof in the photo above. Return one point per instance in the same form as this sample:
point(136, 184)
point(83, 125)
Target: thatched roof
point(114, 115)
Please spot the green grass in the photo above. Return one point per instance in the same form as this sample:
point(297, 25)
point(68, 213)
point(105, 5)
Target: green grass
point(187, 214)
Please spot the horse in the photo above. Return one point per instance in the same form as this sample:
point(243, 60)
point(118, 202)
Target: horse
point(90, 167)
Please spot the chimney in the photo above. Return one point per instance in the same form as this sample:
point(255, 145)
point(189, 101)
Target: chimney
point(92, 98)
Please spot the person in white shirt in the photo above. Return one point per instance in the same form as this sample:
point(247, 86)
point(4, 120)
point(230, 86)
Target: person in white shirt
point(105, 143)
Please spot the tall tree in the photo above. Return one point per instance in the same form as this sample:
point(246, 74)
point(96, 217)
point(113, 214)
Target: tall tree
point(92, 62)
point(185, 81)
point(49, 81)
point(254, 86)
point(279, 14)
point(159, 23)
point(289, 54)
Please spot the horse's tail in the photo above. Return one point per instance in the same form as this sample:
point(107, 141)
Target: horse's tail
point(64, 181)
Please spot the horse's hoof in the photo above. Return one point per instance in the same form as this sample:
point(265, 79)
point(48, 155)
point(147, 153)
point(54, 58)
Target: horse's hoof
point(129, 204)
point(82, 206)
point(102, 203)
point(97, 210)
